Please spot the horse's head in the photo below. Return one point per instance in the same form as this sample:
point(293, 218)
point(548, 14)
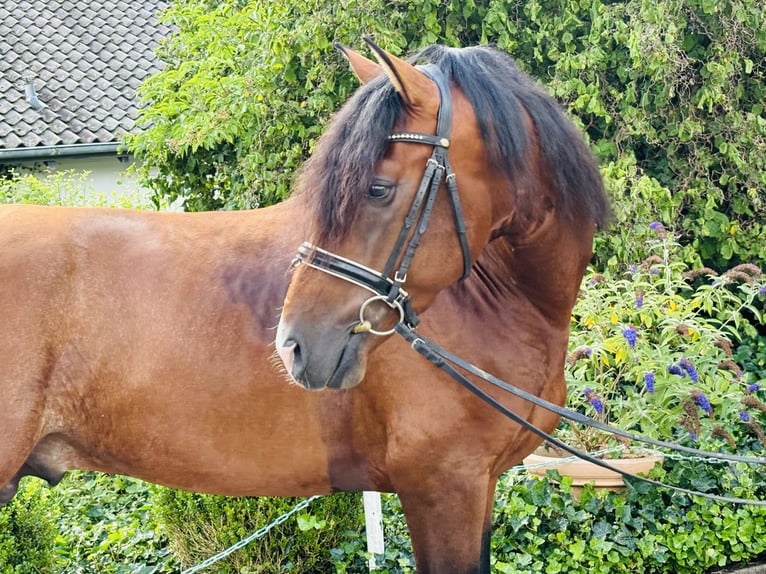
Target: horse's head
point(415, 175)
point(400, 189)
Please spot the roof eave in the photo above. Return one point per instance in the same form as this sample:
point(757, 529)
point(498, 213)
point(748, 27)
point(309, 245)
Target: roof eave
point(58, 151)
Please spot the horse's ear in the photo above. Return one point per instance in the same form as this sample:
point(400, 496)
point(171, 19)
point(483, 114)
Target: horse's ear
point(364, 68)
point(415, 88)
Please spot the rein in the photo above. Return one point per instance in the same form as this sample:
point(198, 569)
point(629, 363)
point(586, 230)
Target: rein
point(382, 284)
point(445, 360)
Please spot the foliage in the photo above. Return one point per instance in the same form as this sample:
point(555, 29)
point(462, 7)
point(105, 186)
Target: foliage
point(675, 86)
point(651, 347)
point(351, 556)
point(245, 91)
point(672, 91)
point(540, 527)
point(65, 187)
point(106, 525)
point(27, 531)
point(201, 525)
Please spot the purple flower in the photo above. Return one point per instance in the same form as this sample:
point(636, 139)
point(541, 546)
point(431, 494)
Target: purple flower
point(676, 370)
point(753, 387)
point(654, 271)
point(594, 400)
point(687, 366)
point(762, 290)
point(649, 382)
point(633, 268)
point(744, 416)
point(630, 335)
point(702, 401)
point(656, 226)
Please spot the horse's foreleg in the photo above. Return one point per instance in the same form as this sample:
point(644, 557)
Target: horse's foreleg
point(21, 414)
point(16, 444)
point(450, 524)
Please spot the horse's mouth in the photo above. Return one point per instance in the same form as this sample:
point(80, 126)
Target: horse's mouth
point(348, 371)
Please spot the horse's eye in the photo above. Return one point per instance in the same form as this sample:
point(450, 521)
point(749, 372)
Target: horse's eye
point(379, 190)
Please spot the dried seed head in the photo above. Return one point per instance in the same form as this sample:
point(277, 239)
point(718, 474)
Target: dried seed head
point(729, 365)
point(720, 432)
point(753, 425)
point(724, 345)
point(749, 268)
point(754, 403)
point(682, 329)
point(738, 276)
point(693, 274)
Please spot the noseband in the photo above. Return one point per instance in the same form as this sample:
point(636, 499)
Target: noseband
point(385, 286)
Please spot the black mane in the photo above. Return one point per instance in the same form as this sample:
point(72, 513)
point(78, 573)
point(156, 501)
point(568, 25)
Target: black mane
point(341, 168)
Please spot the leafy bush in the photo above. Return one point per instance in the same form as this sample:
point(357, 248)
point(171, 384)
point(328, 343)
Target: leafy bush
point(540, 527)
point(65, 187)
point(107, 525)
point(672, 91)
point(676, 87)
point(27, 532)
point(651, 347)
point(201, 525)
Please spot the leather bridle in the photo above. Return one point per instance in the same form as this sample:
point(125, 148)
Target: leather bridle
point(388, 285)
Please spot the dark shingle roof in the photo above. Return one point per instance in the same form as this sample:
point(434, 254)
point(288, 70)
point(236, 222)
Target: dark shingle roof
point(87, 59)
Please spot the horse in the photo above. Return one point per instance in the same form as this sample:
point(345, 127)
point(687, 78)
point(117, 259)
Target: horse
point(143, 343)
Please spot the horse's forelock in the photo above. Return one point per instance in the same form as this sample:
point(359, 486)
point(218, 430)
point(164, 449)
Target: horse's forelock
point(343, 164)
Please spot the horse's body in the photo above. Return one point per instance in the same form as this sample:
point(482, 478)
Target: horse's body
point(142, 344)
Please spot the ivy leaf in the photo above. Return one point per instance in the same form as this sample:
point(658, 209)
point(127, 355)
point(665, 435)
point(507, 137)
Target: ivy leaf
point(601, 529)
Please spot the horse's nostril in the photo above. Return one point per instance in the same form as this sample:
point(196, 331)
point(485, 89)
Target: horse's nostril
point(297, 357)
point(292, 356)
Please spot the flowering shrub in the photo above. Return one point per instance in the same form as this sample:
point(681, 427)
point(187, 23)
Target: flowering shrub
point(651, 349)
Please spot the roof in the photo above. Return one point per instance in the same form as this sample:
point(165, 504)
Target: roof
point(86, 60)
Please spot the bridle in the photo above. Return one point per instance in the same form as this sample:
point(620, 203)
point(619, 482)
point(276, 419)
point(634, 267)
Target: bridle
point(388, 285)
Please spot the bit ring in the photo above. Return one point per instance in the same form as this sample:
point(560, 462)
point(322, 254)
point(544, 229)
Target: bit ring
point(366, 326)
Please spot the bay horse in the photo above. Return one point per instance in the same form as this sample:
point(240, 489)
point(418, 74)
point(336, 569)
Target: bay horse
point(142, 343)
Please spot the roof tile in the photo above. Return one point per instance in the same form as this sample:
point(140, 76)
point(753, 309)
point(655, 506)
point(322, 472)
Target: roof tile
point(87, 59)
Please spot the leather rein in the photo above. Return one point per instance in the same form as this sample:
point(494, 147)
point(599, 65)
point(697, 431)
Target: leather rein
point(388, 286)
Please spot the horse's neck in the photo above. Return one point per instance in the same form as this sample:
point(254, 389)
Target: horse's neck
point(544, 265)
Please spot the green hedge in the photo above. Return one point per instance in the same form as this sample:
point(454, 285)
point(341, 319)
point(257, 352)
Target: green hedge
point(27, 532)
point(673, 90)
point(540, 527)
point(200, 526)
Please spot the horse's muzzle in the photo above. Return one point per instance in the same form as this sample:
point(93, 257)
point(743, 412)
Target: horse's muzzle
point(317, 363)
